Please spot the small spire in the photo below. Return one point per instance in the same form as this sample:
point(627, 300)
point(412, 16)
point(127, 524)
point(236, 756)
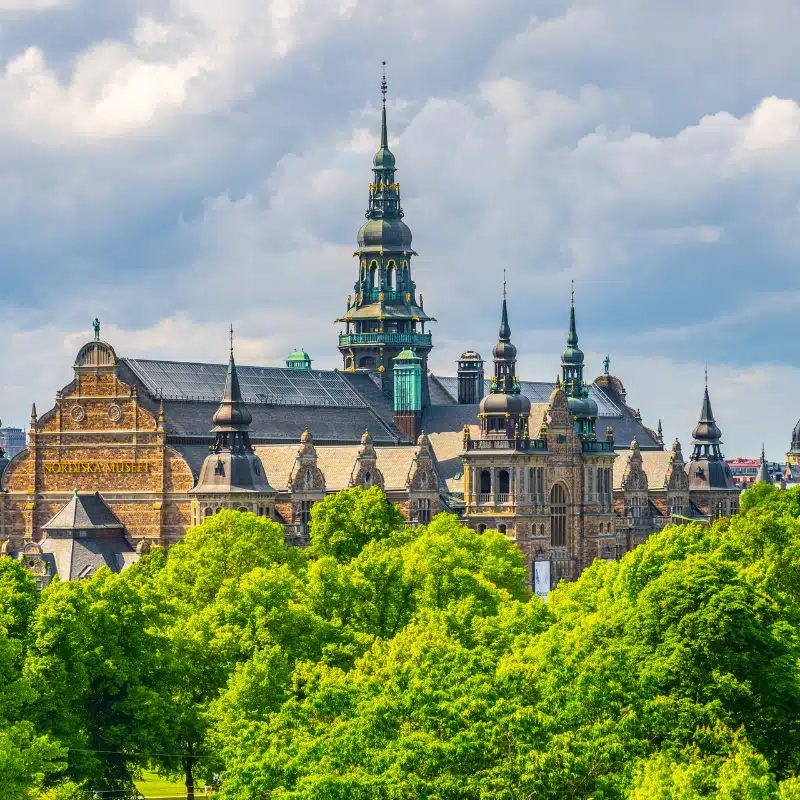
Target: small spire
point(384, 131)
point(572, 336)
point(34, 416)
point(160, 420)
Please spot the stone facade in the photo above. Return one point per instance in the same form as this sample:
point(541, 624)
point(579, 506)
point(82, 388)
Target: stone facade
point(551, 495)
point(97, 438)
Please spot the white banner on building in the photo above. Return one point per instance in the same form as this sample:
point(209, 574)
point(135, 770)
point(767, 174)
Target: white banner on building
point(541, 579)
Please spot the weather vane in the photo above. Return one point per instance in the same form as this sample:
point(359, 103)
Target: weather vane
point(384, 85)
point(231, 337)
point(504, 281)
point(572, 294)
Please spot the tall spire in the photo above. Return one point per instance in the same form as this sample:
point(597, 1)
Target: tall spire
point(385, 288)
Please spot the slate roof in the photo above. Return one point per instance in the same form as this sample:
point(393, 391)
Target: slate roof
point(84, 512)
point(337, 407)
point(444, 391)
point(362, 405)
point(84, 536)
point(74, 558)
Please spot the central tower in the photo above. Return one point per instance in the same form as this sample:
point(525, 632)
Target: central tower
point(384, 315)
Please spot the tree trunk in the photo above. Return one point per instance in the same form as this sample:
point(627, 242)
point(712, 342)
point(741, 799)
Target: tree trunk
point(188, 764)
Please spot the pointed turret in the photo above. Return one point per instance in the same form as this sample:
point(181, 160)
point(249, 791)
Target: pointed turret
point(581, 406)
point(707, 467)
point(504, 411)
point(232, 413)
point(384, 316)
point(232, 465)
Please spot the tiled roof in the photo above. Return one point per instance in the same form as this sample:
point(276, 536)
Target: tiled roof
point(655, 464)
point(336, 464)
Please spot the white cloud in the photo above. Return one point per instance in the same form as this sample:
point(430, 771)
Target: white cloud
point(203, 160)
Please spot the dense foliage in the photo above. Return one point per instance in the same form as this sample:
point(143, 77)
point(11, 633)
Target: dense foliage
point(396, 663)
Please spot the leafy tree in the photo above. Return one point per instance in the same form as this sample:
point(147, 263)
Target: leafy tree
point(27, 755)
point(97, 661)
point(343, 523)
point(231, 587)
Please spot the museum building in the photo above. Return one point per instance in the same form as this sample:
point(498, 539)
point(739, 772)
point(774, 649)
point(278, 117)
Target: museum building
point(134, 452)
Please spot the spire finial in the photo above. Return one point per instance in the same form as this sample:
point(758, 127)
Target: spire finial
point(706, 376)
point(572, 294)
point(384, 85)
point(231, 338)
point(505, 286)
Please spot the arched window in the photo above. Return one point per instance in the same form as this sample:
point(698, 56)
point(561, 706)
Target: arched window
point(503, 481)
point(309, 479)
point(502, 529)
point(390, 275)
point(558, 515)
point(207, 512)
point(373, 274)
point(367, 479)
point(243, 509)
point(481, 528)
point(486, 481)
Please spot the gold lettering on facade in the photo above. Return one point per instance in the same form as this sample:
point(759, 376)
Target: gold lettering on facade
point(91, 467)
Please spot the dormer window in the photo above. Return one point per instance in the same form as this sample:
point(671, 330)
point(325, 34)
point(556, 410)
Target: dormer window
point(367, 479)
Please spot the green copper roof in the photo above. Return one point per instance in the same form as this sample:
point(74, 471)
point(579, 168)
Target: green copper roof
point(298, 355)
point(407, 355)
point(572, 354)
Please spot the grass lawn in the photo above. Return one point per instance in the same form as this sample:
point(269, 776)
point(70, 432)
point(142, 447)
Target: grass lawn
point(152, 786)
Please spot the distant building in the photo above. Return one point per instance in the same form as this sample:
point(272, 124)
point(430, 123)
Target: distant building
point(744, 470)
point(12, 441)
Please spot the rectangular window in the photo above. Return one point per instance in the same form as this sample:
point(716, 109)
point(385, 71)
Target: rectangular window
point(305, 516)
point(423, 511)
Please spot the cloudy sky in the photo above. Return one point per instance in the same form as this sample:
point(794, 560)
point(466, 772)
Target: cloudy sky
point(171, 166)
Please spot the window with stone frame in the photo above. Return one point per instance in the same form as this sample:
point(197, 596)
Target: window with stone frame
point(558, 516)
